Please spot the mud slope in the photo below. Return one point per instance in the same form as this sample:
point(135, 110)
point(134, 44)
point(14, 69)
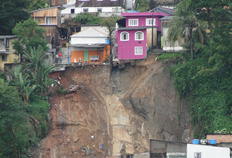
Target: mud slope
point(114, 111)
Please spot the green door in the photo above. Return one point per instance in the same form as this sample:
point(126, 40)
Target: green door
point(86, 55)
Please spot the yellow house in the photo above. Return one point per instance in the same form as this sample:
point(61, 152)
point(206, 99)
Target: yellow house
point(7, 52)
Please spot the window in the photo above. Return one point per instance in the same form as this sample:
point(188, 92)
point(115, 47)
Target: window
point(99, 10)
point(138, 50)
point(133, 22)
point(124, 36)
point(149, 21)
point(72, 11)
point(197, 155)
point(85, 10)
point(4, 57)
point(139, 36)
point(48, 20)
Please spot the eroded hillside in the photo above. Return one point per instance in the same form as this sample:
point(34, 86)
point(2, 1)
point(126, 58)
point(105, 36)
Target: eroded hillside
point(114, 111)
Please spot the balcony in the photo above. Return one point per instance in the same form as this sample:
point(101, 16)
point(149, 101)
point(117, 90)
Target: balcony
point(4, 50)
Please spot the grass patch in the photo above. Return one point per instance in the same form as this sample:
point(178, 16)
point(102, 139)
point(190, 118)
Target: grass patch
point(170, 56)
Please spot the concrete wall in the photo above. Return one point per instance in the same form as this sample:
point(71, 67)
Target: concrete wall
point(11, 58)
point(207, 151)
point(149, 37)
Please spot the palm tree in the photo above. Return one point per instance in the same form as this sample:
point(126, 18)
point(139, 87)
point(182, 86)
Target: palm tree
point(38, 69)
point(185, 25)
point(24, 85)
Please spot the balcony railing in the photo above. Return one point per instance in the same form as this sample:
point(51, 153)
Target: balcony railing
point(4, 50)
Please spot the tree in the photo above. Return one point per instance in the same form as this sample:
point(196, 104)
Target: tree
point(205, 79)
point(185, 25)
point(142, 5)
point(24, 85)
point(37, 4)
point(37, 69)
point(29, 35)
point(16, 134)
point(86, 18)
point(32, 47)
point(11, 12)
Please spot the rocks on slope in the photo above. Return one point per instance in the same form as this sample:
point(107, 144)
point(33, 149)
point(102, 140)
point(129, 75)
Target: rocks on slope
point(114, 112)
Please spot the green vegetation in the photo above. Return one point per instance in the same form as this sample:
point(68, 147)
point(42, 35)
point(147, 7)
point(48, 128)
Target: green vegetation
point(23, 98)
point(30, 36)
point(168, 56)
point(204, 75)
point(87, 19)
point(142, 5)
point(14, 11)
point(37, 4)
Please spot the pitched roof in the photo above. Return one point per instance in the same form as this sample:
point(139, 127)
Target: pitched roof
point(166, 18)
point(92, 32)
point(139, 14)
point(163, 10)
point(97, 3)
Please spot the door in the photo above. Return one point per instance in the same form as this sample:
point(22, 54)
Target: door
point(86, 55)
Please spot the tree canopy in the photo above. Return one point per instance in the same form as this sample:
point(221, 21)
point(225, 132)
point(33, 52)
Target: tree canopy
point(87, 18)
point(30, 35)
point(203, 79)
point(14, 11)
point(142, 5)
point(11, 12)
point(23, 97)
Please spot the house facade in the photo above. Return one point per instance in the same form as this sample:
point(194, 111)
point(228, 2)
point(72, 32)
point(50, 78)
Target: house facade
point(49, 20)
point(142, 30)
point(206, 151)
point(7, 52)
point(104, 8)
point(90, 45)
point(170, 149)
point(131, 43)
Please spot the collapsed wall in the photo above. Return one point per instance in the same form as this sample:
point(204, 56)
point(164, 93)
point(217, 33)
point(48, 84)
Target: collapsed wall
point(113, 112)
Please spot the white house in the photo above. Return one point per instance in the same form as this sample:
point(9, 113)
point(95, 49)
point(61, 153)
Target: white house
point(90, 45)
point(102, 11)
point(90, 35)
point(207, 151)
point(104, 8)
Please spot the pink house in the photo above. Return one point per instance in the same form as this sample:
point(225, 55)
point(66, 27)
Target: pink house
point(131, 43)
point(136, 37)
point(144, 19)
